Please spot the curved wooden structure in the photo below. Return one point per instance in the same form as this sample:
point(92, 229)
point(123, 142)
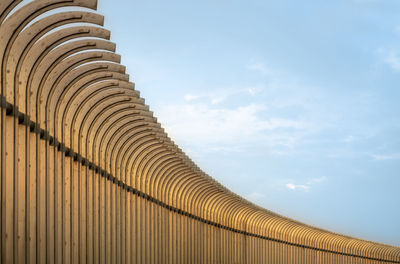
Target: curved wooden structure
point(89, 176)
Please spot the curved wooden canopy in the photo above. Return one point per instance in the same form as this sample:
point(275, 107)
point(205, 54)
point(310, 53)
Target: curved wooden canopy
point(83, 120)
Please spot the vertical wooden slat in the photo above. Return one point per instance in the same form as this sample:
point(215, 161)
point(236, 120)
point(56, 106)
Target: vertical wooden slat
point(143, 230)
point(41, 196)
point(137, 241)
point(83, 214)
point(102, 224)
point(133, 234)
point(89, 216)
point(8, 192)
point(114, 224)
point(52, 205)
point(96, 218)
point(117, 224)
point(66, 208)
point(75, 211)
point(20, 179)
point(31, 195)
point(123, 225)
point(55, 158)
point(128, 203)
point(108, 212)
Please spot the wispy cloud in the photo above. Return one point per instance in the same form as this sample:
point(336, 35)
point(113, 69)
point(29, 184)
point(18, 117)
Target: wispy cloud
point(215, 101)
point(394, 156)
point(349, 139)
point(208, 124)
point(307, 186)
point(235, 118)
point(221, 95)
point(254, 90)
point(292, 186)
point(190, 97)
point(391, 58)
point(260, 67)
point(316, 180)
point(210, 128)
point(255, 197)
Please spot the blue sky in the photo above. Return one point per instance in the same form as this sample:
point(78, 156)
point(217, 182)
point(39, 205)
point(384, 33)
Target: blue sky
point(291, 104)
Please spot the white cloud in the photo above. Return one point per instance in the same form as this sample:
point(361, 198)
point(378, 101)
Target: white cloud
point(206, 124)
point(279, 153)
point(307, 186)
point(255, 197)
point(254, 90)
point(190, 97)
point(260, 67)
point(391, 58)
point(394, 156)
point(349, 139)
point(243, 121)
point(292, 186)
point(221, 95)
point(316, 180)
point(215, 101)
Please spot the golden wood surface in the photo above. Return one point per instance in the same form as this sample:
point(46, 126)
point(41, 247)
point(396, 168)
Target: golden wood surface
point(88, 175)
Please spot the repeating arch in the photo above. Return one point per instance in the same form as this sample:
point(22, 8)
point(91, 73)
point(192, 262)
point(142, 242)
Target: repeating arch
point(88, 175)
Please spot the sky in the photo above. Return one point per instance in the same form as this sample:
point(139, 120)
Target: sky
point(293, 105)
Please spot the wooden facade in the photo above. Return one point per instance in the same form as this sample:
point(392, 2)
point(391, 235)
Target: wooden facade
point(89, 176)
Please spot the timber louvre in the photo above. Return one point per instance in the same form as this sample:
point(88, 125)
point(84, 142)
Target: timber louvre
point(89, 176)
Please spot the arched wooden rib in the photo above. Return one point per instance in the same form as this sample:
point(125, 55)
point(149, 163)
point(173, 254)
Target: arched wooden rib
point(41, 71)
